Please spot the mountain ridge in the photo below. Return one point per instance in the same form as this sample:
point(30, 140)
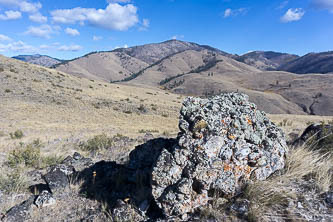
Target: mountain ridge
point(37, 59)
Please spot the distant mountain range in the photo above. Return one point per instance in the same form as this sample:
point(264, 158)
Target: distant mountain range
point(193, 69)
point(37, 59)
point(127, 61)
point(310, 63)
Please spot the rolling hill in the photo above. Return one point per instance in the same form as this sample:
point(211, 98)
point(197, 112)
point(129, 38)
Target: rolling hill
point(310, 63)
point(191, 69)
point(124, 62)
point(266, 60)
point(37, 59)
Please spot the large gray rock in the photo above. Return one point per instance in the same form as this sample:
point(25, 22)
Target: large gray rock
point(224, 143)
point(57, 177)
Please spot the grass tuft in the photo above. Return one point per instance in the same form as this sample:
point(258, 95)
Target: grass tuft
point(301, 164)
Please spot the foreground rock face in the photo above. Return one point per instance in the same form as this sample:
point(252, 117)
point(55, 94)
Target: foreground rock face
point(224, 142)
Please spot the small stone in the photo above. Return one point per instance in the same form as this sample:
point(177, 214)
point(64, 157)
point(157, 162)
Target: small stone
point(77, 156)
point(240, 207)
point(299, 205)
point(45, 199)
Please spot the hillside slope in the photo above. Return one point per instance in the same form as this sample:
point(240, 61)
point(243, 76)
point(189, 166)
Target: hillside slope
point(107, 66)
point(189, 61)
point(49, 104)
point(37, 59)
point(124, 62)
point(310, 63)
point(273, 92)
point(266, 60)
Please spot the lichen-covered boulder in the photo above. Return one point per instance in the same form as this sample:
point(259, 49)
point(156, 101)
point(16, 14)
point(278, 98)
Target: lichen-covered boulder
point(224, 142)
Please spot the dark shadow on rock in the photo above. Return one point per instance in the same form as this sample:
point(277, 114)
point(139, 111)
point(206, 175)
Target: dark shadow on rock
point(38, 188)
point(108, 182)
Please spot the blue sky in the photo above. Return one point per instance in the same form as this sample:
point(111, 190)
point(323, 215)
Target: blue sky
point(70, 28)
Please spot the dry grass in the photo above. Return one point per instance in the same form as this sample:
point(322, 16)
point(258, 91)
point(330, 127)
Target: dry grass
point(60, 109)
point(273, 194)
point(297, 123)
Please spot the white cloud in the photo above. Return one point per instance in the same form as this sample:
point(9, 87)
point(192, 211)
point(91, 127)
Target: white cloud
point(72, 48)
point(115, 16)
point(97, 38)
point(177, 37)
point(227, 12)
point(234, 12)
point(72, 32)
point(146, 23)
point(18, 46)
point(4, 38)
point(37, 17)
point(30, 7)
point(10, 15)
point(293, 15)
point(43, 31)
point(323, 4)
point(118, 1)
point(24, 6)
point(119, 47)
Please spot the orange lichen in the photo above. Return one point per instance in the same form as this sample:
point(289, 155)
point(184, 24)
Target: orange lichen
point(232, 137)
point(249, 121)
point(227, 167)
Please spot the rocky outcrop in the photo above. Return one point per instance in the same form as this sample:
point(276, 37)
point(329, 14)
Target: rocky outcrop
point(224, 143)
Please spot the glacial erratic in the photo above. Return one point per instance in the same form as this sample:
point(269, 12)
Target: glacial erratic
point(224, 142)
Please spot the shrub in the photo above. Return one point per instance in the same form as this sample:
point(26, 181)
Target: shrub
point(7, 90)
point(302, 164)
point(28, 155)
point(97, 143)
point(51, 160)
point(18, 134)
